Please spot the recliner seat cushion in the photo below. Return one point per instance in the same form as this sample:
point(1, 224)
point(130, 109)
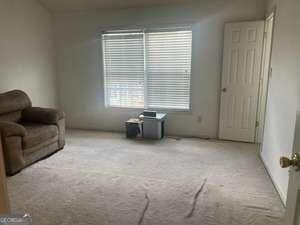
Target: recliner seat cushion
point(38, 133)
point(42, 115)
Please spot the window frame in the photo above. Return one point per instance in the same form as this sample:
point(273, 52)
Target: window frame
point(144, 31)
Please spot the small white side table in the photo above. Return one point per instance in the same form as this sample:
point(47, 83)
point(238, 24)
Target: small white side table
point(154, 127)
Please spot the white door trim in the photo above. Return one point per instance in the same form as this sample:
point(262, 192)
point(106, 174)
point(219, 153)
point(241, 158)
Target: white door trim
point(266, 72)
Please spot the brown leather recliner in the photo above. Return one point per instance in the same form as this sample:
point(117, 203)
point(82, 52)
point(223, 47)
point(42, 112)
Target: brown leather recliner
point(28, 133)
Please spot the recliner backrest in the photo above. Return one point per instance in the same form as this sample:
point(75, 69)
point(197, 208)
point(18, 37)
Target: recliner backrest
point(11, 105)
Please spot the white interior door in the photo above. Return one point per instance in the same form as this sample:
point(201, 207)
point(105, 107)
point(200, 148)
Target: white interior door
point(243, 43)
point(292, 216)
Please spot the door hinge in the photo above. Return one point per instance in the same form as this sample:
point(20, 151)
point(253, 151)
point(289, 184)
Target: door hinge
point(256, 124)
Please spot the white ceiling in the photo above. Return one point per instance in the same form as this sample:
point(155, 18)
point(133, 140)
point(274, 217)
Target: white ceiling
point(58, 6)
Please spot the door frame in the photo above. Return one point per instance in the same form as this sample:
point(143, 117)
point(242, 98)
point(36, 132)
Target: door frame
point(264, 81)
point(4, 203)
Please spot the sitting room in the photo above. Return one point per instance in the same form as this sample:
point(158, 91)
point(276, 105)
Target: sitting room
point(164, 112)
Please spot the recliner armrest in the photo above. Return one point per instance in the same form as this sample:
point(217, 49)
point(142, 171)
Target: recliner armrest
point(42, 115)
point(9, 129)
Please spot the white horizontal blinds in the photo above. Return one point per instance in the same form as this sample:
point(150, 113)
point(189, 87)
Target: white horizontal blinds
point(124, 69)
point(149, 69)
point(168, 66)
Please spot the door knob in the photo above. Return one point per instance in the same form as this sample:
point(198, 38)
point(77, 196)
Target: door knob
point(224, 89)
point(293, 162)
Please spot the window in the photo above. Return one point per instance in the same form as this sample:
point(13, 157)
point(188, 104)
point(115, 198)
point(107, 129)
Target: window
point(148, 69)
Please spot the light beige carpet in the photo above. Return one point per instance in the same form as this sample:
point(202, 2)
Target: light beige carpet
point(103, 178)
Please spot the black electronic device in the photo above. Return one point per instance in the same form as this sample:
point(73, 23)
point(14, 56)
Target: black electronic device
point(149, 113)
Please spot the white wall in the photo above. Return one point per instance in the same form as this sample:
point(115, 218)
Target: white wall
point(80, 64)
point(283, 96)
point(27, 51)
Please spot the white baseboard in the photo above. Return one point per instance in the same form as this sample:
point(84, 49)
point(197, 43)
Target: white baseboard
point(282, 195)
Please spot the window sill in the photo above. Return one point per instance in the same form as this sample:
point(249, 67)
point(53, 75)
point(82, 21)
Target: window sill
point(161, 110)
